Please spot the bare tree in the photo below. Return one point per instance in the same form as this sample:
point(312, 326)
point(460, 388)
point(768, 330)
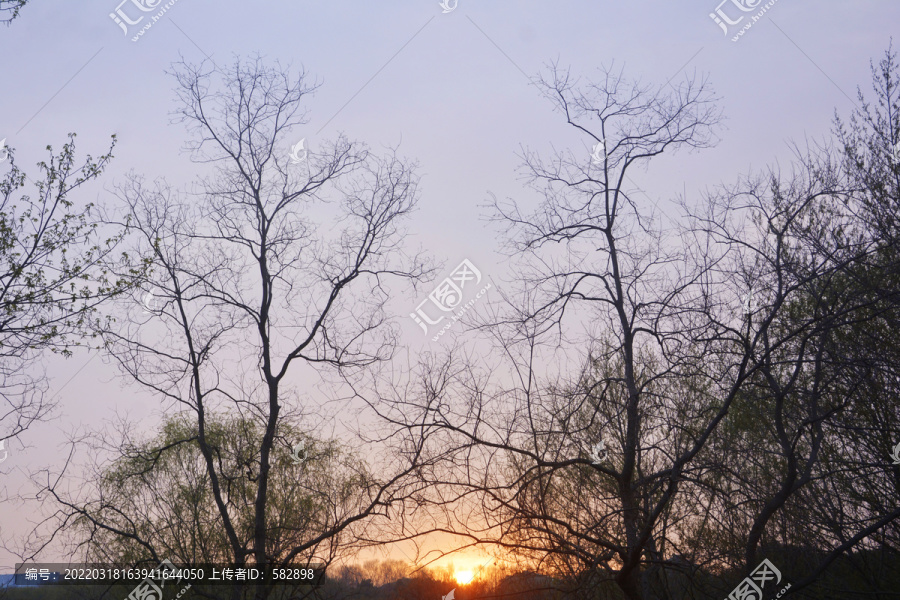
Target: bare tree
point(626, 474)
point(274, 272)
point(601, 286)
point(646, 293)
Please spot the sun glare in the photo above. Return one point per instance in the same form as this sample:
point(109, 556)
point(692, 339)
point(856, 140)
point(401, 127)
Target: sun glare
point(464, 577)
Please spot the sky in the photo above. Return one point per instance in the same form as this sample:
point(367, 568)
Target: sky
point(450, 89)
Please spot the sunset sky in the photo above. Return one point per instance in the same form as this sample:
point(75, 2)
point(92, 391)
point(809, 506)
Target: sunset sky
point(450, 90)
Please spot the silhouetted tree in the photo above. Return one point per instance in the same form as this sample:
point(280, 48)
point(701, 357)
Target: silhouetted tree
point(52, 277)
point(699, 431)
point(279, 264)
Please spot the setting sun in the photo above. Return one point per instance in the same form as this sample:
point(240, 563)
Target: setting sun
point(464, 577)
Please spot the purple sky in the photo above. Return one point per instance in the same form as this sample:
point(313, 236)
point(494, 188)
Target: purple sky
point(449, 88)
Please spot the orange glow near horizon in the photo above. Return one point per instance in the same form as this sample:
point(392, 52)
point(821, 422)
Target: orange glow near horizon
point(464, 577)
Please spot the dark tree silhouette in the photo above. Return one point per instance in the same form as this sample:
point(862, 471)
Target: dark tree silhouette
point(274, 271)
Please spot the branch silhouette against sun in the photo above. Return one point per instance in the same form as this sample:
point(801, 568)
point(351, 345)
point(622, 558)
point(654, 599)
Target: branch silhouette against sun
point(681, 377)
